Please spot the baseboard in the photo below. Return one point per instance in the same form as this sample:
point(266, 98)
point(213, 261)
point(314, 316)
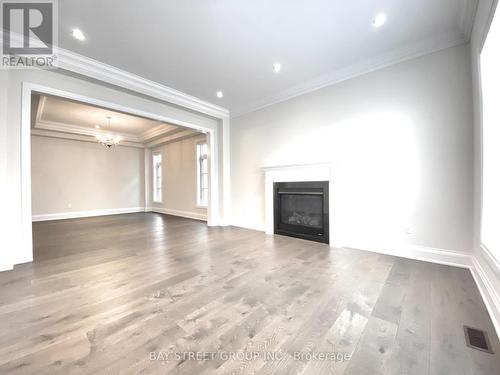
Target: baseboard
point(6, 267)
point(186, 214)
point(490, 259)
point(426, 254)
point(259, 228)
point(80, 214)
point(488, 292)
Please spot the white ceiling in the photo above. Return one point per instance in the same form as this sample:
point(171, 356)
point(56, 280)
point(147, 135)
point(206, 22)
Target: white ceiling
point(200, 47)
point(63, 118)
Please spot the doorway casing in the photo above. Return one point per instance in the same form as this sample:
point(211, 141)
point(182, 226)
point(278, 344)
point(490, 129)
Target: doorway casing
point(213, 213)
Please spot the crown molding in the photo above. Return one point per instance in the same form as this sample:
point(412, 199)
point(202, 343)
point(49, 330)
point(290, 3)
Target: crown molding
point(41, 107)
point(177, 136)
point(56, 128)
point(77, 133)
point(77, 137)
point(86, 66)
point(81, 130)
point(157, 131)
point(81, 133)
point(79, 64)
point(467, 17)
point(375, 63)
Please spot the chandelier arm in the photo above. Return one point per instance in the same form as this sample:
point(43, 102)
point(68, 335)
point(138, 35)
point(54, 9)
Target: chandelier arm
point(108, 139)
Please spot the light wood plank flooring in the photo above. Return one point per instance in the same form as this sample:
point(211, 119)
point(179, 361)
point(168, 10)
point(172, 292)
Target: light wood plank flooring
point(140, 293)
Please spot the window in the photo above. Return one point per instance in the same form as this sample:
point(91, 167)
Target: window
point(157, 178)
point(490, 82)
point(201, 152)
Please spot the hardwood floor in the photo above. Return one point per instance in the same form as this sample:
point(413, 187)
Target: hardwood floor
point(138, 293)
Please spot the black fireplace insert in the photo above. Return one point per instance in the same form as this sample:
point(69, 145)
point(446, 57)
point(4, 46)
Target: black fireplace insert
point(301, 210)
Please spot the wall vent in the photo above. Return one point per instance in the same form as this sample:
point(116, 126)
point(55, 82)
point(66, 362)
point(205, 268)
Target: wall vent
point(477, 339)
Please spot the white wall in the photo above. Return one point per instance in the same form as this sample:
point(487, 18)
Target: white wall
point(69, 176)
point(179, 168)
point(401, 136)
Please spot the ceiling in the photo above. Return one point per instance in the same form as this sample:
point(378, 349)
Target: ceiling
point(200, 47)
point(60, 110)
point(63, 118)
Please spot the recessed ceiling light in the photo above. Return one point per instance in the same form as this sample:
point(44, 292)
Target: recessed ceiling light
point(78, 34)
point(220, 94)
point(97, 127)
point(276, 67)
point(379, 20)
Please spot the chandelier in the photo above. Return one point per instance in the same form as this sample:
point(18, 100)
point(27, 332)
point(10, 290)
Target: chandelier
point(108, 139)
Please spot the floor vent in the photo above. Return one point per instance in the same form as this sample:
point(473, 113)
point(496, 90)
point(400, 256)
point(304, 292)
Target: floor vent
point(477, 339)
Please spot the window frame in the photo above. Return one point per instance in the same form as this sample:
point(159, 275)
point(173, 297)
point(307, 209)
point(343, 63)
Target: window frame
point(199, 174)
point(157, 185)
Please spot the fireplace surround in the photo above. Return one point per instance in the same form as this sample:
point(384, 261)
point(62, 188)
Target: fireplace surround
point(301, 209)
point(330, 172)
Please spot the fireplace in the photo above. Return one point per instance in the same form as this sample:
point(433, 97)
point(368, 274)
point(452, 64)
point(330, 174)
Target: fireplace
point(301, 210)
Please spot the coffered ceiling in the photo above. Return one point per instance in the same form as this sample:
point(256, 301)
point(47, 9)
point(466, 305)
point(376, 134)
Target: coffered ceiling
point(63, 118)
point(202, 47)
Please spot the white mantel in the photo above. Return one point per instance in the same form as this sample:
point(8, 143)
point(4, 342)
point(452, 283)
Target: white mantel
point(297, 173)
